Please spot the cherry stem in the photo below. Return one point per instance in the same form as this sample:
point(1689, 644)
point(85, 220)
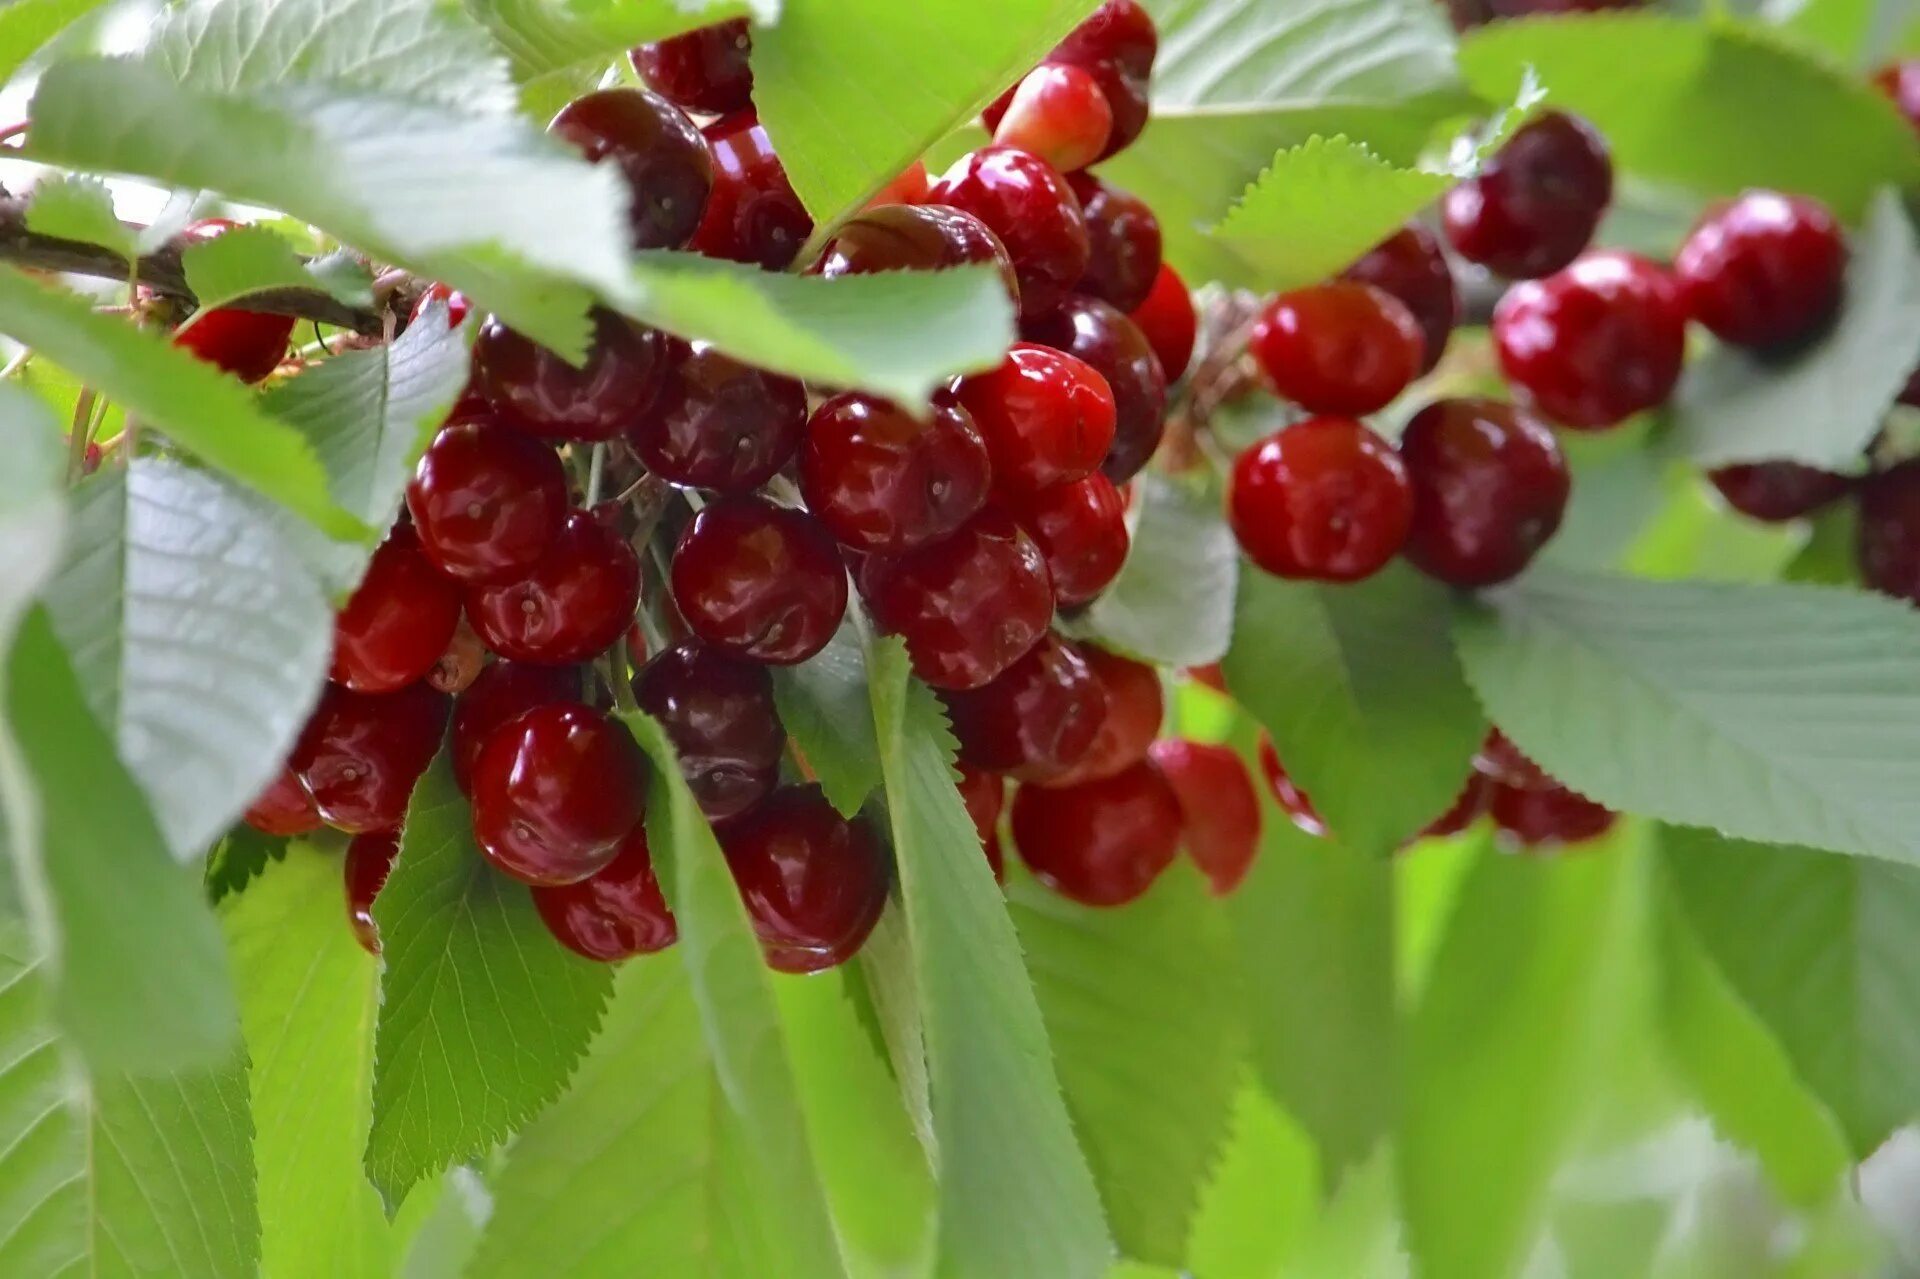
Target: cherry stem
point(596, 473)
point(80, 434)
point(9, 132)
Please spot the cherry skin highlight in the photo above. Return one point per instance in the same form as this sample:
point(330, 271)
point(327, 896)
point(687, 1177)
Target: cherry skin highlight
point(283, 808)
point(719, 424)
point(572, 605)
point(661, 155)
point(1219, 810)
point(361, 753)
point(885, 483)
point(536, 391)
point(753, 215)
point(1124, 245)
point(554, 793)
point(1337, 348)
point(1101, 843)
point(1167, 320)
point(1116, 44)
point(1537, 203)
point(1293, 801)
point(1765, 271)
point(487, 500)
point(759, 581)
point(1081, 530)
point(915, 237)
point(1135, 707)
point(814, 883)
point(500, 694)
point(1059, 113)
point(1325, 499)
point(368, 861)
point(1410, 267)
point(1106, 340)
point(1037, 720)
point(1490, 486)
point(1046, 417)
point(1774, 492)
point(1499, 759)
point(705, 70)
point(247, 344)
point(615, 913)
point(1026, 203)
point(719, 713)
point(398, 621)
point(1889, 534)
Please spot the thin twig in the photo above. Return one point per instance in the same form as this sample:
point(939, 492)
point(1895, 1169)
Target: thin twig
point(80, 434)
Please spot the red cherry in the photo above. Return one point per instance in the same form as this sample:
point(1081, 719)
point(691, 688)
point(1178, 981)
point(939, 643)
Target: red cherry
point(1549, 816)
point(1900, 82)
point(1292, 800)
point(538, 392)
point(1166, 319)
point(969, 606)
point(247, 344)
point(1536, 203)
point(1123, 238)
point(1889, 535)
point(1324, 499)
point(720, 715)
point(1778, 491)
point(1489, 488)
point(615, 913)
point(884, 483)
point(399, 620)
point(1081, 530)
point(283, 808)
point(361, 753)
point(915, 237)
point(1046, 416)
point(1101, 843)
point(753, 215)
point(759, 581)
point(1466, 809)
point(369, 860)
point(1548, 8)
point(705, 70)
point(572, 605)
point(1026, 203)
point(718, 423)
point(1105, 339)
point(1037, 720)
point(487, 500)
point(1219, 811)
point(1409, 266)
point(1503, 762)
point(909, 186)
point(814, 883)
point(667, 166)
point(1059, 113)
point(554, 793)
point(501, 693)
point(1116, 44)
point(1135, 707)
point(985, 794)
point(1337, 348)
point(1596, 343)
point(456, 302)
point(1764, 271)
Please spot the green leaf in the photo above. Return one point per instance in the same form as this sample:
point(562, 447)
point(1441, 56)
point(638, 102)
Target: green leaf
point(1016, 1197)
point(1777, 713)
point(70, 207)
point(483, 1016)
point(33, 514)
point(544, 37)
point(252, 259)
point(27, 25)
point(238, 859)
point(824, 704)
point(1173, 600)
point(1262, 1197)
point(1357, 683)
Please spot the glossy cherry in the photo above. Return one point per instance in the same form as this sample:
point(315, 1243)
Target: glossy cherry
point(1116, 44)
point(1537, 202)
point(720, 715)
point(914, 237)
point(759, 581)
point(705, 70)
point(1467, 808)
point(1778, 491)
point(573, 604)
point(539, 392)
point(457, 304)
point(555, 791)
point(368, 861)
point(615, 913)
point(668, 168)
point(1102, 843)
point(501, 693)
point(1764, 271)
point(1410, 266)
point(1889, 534)
point(719, 424)
point(1105, 339)
point(909, 186)
point(985, 794)
point(247, 344)
point(1595, 343)
point(1337, 348)
point(1124, 245)
point(1135, 707)
point(1900, 82)
point(1500, 760)
point(1026, 203)
point(1548, 816)
point(1490, 486)
point(1081, 530)
point(1324, 499)
point(1058, 112)
point(283, 808)
point(885, 483)
point(1047, 417)
point(361, 753)
point(487, 500)
point(1167, 320)
point(1037, 720)
point(397, 622)
point(753, 214)
point(814, 883)
point(1293, 801)
point(1219, 810)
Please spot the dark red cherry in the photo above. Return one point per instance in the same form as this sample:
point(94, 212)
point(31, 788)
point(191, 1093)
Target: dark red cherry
point(1167, 320)
point(572, 605)
point(1536, 203)
point(1889, 535)
point(1325, 499)
point(283, 808)
point(667, 166)
point(398, 621)
point(1499, 759)
point(1548, 816)
point(369, 859)
point(1116, 44)
point(719, 424)
point(1123, 238)
point(615, 913)
point(1778, 491)
point(1101, 843)
point(1409, 266)
point(538, 392)
point(1037, 720)
point(915, 237)
point(247, 344)
point(1549, 8)
point(503, 692)
point(814, 883)
point(720, 715)
point(1338, 348)
point(1026, 203)
point(361, 753)
point(1293, 801)
point(1107, 340)
point(487, 500)
point(1060, 113)
point(1047, 417)
point(1219, 811)
point(1900, 82)
point(970, 605)
point(985, 794)
point(759, 581)
point(1764, 271)
point(555, 791)
point(1081, 530)
point(1596, 343)
point(885, 483)
point(1489, 488)
point(1465, 810)
point(705, 70)
point(753, 214)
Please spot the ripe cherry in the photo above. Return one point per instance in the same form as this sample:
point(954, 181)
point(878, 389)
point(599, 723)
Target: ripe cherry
point(1778, 491)
point(399, 620)
point(457, 304)
point(705, 70)
point(555, 791)
point(753, 214)
point(1081, 530)
point(503, 692)
point(1489, 488)
point(1465, 810)
point(1219, 811)
point(720, 715)
point(1105, 339)
point(719, 424)
point(1026, 203)
point(537, 391)
point(487, 500)
point(1116, 44)
point(283, 808)
point(1889, 536)
point(361, 753)
point(1505, 763)
point(1409, 266)
point(615, 913)
point(1900, 82)
point(1046, 416)
point(884, 483)
point(814, 883)
point(970, 605)
point(1167, 320)
point(909, 186)
point(573, 604)
point(1101, 843)
point(1059, 113)
point(1123, 238)
point(1293, 801)
point(369, 860)
point(1337, 348)
point(1596, 343)
point(1037, 720)
point(1537, 202)
point(1764, 271)
point(1324, 499)
point(667, 166)
point(1548, 816)
point(247, 344)
point(915, 237)
point(1135, 707)
point(985, 794)
point(759, 581)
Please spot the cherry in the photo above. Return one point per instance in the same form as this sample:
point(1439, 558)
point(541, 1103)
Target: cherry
point(1409, 266)
point(1501, 761)
point(1900, 82)
point(1466, 809)
point(1286, 792)
point(1324, 499)
point(1489, 488)
point(501, 693)
point(1081, 530)
point(753, 214)
point(539, 392)
point(573, 604)
point(361, 753)
point(969, 606)
point(1775, 492)
point(1046, 416)
point(368, 861)
point(705, 70)
point(1537, 202)
point(1764, 271)
point(247, 344)
point(398, 621)
point(985, 794)
point(1548, 815)
point(1104, 338)
point(1123, 238)
point(487, 500)
point(719, 424)
point(1166, 319)
point(1057, 112)
point(720, 715)
point(283, 808)
point(615, 913)
point(1101, 843)
point(1536, 8)
point(1023, 200)
point(1337, 348)
point(915, 237)
point(555, 790)
point(909, 186)
point(1135, 707)
point(1889, 535)
point(884, 483)
point(457, 304)
point(1116, 44)
point(666, 164)
point(813, 883)
point(1219, 811)
point(1596, 343)
point(1037, 720)
point(759, 581)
